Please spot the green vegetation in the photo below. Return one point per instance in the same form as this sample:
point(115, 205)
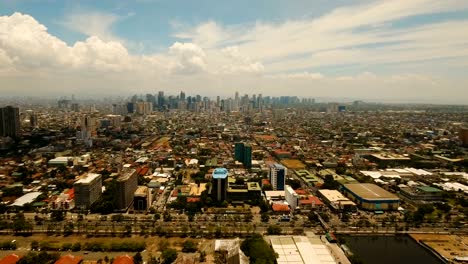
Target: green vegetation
point(274, 230)
point(330, 183)
point(39, 258)
point(169, 255)
point(189, 246)
point(90, 246)
point(257, 249)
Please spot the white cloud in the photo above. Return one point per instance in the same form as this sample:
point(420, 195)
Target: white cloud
point(91, 23)
point(189, 58)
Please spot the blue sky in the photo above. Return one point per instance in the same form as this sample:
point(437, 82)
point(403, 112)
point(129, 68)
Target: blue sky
point(378, 50)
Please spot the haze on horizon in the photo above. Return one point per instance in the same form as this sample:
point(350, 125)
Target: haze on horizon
point(399, 50)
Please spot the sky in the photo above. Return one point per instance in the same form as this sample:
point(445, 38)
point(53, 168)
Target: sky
point(389, 51)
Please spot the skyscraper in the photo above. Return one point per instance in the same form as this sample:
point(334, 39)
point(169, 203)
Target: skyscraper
point(277, 176)
point(9, 122)
point(220, 184)
point(243, 153)
point(463, 134)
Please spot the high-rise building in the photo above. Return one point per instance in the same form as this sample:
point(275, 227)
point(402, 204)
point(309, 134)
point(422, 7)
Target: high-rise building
point(219, 184)
point(463, 135)
point(277, 176)
point(247, 156)
point(239, 151)
point(87, 189)
point(160, 99)
point(243, 153)
point(9, 122)
point(127, 183)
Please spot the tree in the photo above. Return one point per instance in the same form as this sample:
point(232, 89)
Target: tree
point(169, 255)
point(57, 215)
point(202, 256)
point(265, 217)
point(258, 251)
point(34, 245)
point(21, 224)
point(330, 183)
point(39, 258)
point(312, 216)
point(137, 258)
point(163, 244)
point(274, 230)
point(189, 246)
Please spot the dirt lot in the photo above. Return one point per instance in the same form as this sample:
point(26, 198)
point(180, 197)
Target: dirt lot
point(293, 164)
point(24, 244)
point(449, 246)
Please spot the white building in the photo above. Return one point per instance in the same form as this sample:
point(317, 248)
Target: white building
point(291, 197)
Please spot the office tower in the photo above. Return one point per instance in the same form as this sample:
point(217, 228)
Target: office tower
point(247, 156)
point(64, 104)
point(243, 153)
point(160, 99)
point(9, 122)
point(219, 184)
point(182, 96)
point(88, 189)
point(75, 107)
point(239, 151)
point(277, 176)
point(130, 107)
point(127, 183)
point(463, 135)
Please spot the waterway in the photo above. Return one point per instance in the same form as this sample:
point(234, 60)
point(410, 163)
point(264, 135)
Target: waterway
point(389, 250)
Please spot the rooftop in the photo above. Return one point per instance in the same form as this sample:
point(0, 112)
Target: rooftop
point(369, 191)
point(88, 178)
point(220, 173)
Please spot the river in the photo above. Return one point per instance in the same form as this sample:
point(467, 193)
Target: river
point(389, 250)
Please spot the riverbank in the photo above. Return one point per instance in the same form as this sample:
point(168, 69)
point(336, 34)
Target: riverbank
point(446, 247)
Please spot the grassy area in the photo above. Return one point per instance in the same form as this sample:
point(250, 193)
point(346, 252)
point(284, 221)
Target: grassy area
point(152, 248)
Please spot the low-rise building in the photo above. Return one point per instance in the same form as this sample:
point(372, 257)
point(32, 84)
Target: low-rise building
point(369, 196)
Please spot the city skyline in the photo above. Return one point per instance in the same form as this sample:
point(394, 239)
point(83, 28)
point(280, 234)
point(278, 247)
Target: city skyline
point(398, 51)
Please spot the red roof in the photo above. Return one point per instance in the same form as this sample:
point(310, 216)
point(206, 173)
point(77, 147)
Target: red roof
point(301, 192)
point(69, 259)
point(265, 181)
point(10, 259)
point(71, 193)
point(311, 200)
point(125, 259)
point(193, 199)
point(280, 208)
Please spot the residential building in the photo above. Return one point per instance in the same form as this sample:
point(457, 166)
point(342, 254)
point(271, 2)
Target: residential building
point(127, 184)
point(278, 176)
point(88, 189)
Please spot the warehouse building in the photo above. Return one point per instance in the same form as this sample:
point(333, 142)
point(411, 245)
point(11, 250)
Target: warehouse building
point(369, 196)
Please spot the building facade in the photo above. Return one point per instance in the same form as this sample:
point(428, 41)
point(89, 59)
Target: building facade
point(127, 183)
point(220, 184)
point(243, 153)
point(9, 122)
point(88, 189)
point(278, 176)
